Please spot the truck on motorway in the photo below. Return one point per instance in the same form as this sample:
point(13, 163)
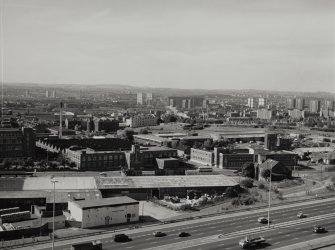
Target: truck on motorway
point(93, 245)
point(249, 242)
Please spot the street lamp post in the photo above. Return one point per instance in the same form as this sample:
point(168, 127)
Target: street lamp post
point(53, 214)
point(269, 198)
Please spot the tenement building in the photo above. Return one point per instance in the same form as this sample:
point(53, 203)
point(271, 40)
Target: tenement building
point(89, 159)
point(141, 121)
point(17, 143)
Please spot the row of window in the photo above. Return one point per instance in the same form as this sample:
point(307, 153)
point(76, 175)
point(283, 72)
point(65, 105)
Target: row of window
point(103, 157)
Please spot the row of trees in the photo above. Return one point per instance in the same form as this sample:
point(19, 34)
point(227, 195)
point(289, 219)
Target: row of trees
point(248, 170)
point(29, 163)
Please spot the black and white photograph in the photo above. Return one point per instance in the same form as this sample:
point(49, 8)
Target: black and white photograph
point(167, 124)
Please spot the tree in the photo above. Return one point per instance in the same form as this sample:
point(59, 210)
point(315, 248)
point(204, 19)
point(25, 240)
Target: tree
point(248, 170)
point(170, 118)
point(143, 131)
point(128, 172)
point(43, 163)
point(127, 134)
point(208, 144)
point(231, 192)
point(61, 159)
point(174, 144)
point(197, 144)
point(167, 144)
point(72, 164)
point(266, 174)
point(247, 183)
point(29, 162)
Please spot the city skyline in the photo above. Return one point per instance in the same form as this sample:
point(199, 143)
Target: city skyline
point(268, 45)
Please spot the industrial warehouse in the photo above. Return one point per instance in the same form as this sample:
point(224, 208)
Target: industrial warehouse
point(31, 191)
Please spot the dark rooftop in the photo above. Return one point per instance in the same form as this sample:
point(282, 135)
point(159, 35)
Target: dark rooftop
point(114, 201)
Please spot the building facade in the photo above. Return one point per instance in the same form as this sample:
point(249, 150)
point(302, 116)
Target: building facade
point(104, 212)
point(17, 143)
point(105, 124)
point(287, 158)
point(142, 158)
point(314, 106)
point(265, 114)
point(290, 103)
point(300, 103)
point(89, 159)
point(142, 121)
point(296, 114)
point(202, 156)
point(144, 98)
point(234, 161)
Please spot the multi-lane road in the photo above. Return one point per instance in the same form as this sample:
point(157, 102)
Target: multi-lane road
point(224, 232)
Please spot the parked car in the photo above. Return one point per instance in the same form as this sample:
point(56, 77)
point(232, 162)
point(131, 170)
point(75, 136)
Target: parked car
point(184, 234)
point(319, 229)
point(121, 238)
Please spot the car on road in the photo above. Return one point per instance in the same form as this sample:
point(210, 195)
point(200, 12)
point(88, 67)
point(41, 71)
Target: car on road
point(94, 245)
point(301, 215)
point(319, 229)
point(251, 242)
point(262, 220)
point(121, 238)
point(159, 234)
point(183, 234)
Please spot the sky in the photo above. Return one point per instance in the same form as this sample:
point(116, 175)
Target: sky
point(286, 45)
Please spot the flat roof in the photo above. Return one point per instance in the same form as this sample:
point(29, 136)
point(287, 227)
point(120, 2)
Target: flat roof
point(21, 194)
point(151, 137)
point(10, 129)
point(107, 202)
point(177, 181)
point(87, 184)
point(196, 137)
point(156, 149)
point(171, 135)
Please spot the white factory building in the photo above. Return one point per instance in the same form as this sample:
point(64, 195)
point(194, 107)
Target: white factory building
point(109, 211)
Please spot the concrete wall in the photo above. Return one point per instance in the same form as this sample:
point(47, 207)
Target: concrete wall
point(76, 212)
point(104, 215)
point(202, 156)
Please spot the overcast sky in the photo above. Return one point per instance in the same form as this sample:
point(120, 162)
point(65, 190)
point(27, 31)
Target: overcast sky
point(215, 44)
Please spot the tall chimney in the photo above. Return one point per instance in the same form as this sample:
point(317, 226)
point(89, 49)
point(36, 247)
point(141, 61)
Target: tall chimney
point(60, 121)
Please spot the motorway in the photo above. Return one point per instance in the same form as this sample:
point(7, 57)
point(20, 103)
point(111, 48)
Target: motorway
point(205, 232)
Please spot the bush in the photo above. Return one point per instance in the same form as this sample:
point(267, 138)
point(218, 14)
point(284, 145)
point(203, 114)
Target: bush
point(248, 200)
point(261, 186)
point(236, 202)
point(231, 192)
point(143, 131)
point(247, 183)
point(248, 170)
